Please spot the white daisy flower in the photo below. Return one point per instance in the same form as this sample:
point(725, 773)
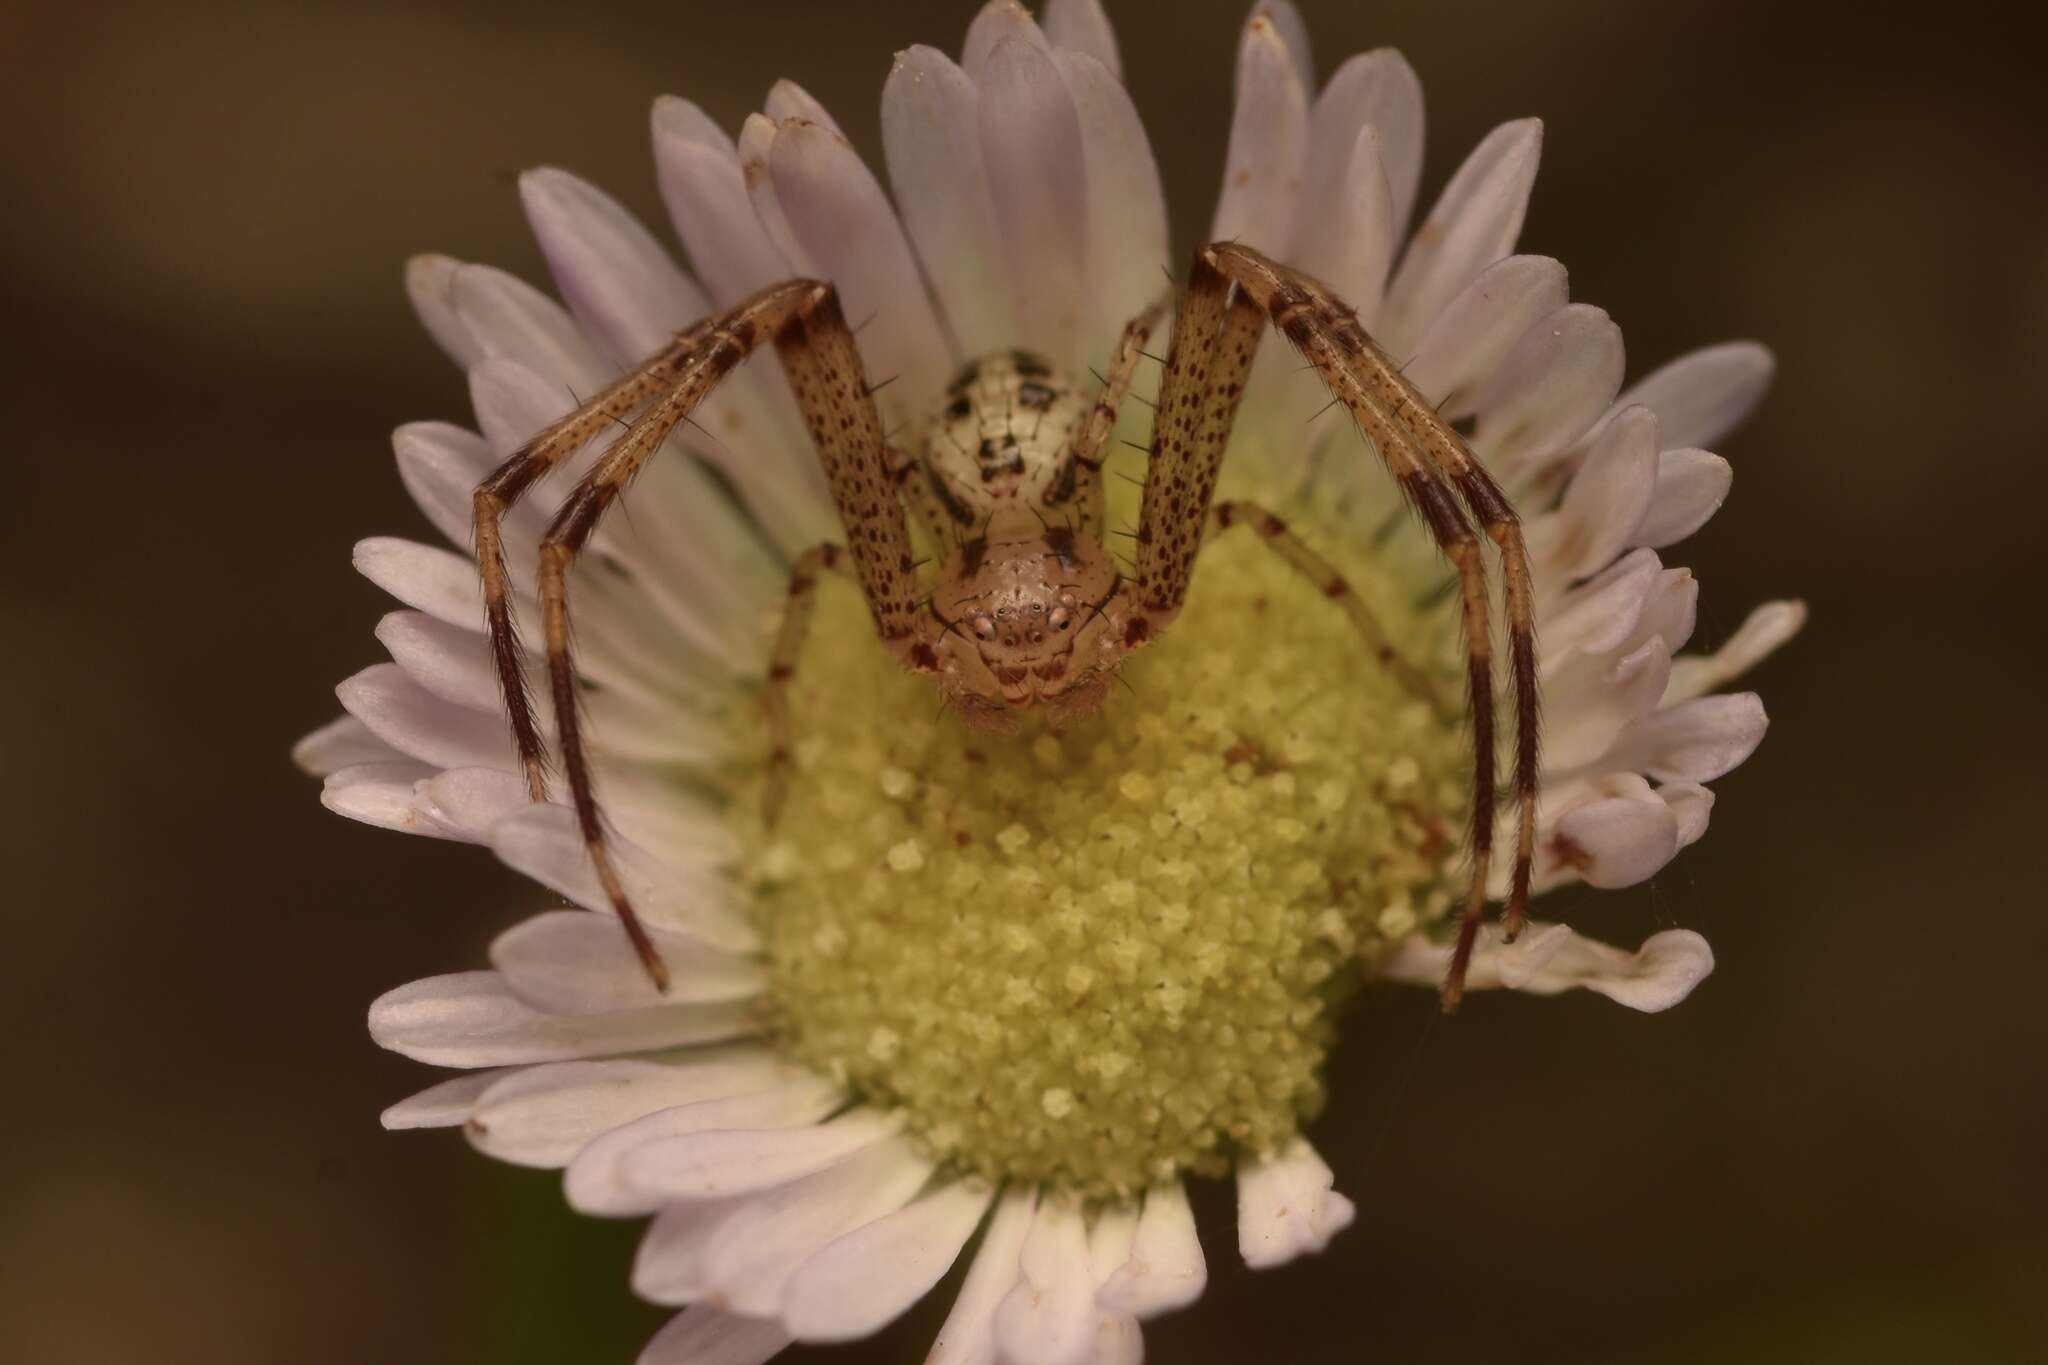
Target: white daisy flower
point(1023, 986)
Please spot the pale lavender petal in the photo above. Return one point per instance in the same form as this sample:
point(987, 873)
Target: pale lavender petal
point(1475, 222)
point(1081, 26)
point(575, 962)
point(1765, 629)
point(1286, 1207)
point(473, 1019)
point(1372, 89)
point(1032, 151)
point(1262, 171)
point(968, 1336)
point(1549, 389)
point(343, 742)
point(931, 135)
point(1128, 249)
point(441, 1106)
point(379, 794)
point(436, 581)
point(995, 22)
point(1691, 486)
point(704, 1335)
point(416, 722)
point(706, 195)
point(865, 1279)
point(1473, 335)
point(849, 231)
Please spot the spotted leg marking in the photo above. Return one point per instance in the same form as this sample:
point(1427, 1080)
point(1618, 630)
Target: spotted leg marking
point(810, 335)
point(1277, 537)
point(1423, 453)
point(1215, 335)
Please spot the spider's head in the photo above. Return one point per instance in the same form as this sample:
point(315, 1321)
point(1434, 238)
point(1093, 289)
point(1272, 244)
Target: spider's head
point(1027, 622)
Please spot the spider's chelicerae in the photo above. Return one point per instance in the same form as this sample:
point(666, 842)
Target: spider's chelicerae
point(1028, 608)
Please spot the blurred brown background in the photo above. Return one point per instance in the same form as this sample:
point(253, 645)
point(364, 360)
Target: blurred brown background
point(1833, 1152)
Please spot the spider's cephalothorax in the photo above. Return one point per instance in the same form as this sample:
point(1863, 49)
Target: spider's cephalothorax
point(1016, 518)
point(1026, 606)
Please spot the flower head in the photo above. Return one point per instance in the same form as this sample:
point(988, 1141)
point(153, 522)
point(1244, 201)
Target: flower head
point(1022, 984)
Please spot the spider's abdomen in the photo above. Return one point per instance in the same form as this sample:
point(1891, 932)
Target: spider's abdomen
point(1000, 441)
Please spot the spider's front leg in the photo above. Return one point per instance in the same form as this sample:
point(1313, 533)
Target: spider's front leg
point(1231, 291)
point(803, 319)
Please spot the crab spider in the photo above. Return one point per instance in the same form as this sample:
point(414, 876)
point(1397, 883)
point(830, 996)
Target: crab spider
point(1028, 608)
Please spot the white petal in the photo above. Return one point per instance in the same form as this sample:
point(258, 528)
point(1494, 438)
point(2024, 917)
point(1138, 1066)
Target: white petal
point(1701, 397)
point(1372, 89)
point(787, 100)
point(1766, 628)
point(1475, 222)
point(441, 465)
point(1032, 151)
point(444, 1105)
point(1620, 835)
point(452, 662)
point(1693, 741)
point(1474, 334)
point(1582, 721)
point(1081, 26)
point(596, 1183)
point(1293, 32)
point(867, 1277)
point(995, 22)
point(1691, 805)
point(1551, 958)
point(1286, 1206)
point(379, 794)
point(343, 742)
point(473, 1019)
point(1351, 243)
point(706, 195)
point(718, 1165)
point(1671, 609)
point(430, 284)
point(668, 1268)
point(1603, 505)
point(703, 1335)
point(1600, 615)
point(510, 319)
point(436, 581)
point(968, 1336)
point(546, 844)
point(414, 721)
point(1116, 1337)
point(1691, 486)
point(616, 279)
point(575, 962)
point(466, 802)
point(544, 1115)
point(849, 232)
point(931, 134)
point(1128, 250)
point(1049, 1317)
point(1549, 389)
point(1166, 1269)
point(749, 1259)
point(1262, 172)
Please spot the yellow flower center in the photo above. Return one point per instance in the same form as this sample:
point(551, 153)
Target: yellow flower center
point(1109, 956)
